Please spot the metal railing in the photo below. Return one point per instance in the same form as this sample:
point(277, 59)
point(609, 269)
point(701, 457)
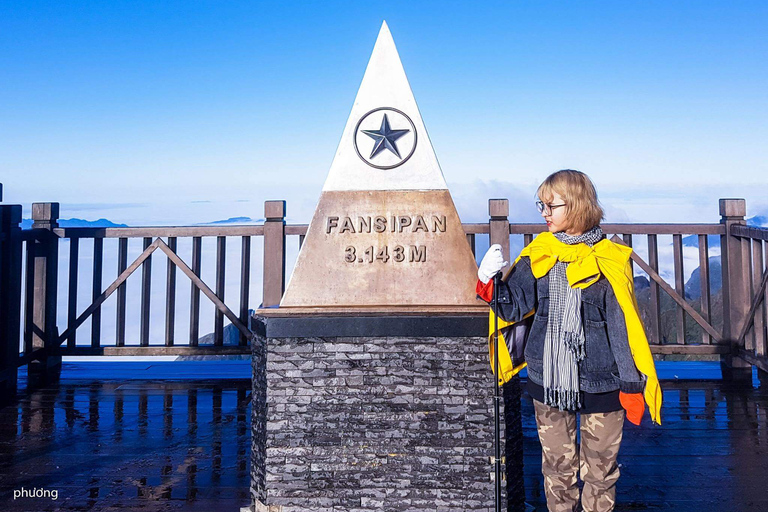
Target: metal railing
point(739, 335)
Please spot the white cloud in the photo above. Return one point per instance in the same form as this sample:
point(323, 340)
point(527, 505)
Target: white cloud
point(471, 200)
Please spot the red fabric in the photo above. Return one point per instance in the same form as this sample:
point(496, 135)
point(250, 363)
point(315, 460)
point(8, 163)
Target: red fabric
point(485, 291)
point(634, 404)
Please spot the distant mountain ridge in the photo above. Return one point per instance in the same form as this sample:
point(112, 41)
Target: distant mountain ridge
point(693, 241)
point(78, 223)
point(106, 223)
point(760, 221)
point(233, 220)
point(693, 286)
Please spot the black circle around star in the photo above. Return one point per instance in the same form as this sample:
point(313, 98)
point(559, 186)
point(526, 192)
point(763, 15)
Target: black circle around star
point(384, 167)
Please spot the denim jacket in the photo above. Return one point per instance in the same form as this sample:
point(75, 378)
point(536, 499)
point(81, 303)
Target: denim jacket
point(608, 364)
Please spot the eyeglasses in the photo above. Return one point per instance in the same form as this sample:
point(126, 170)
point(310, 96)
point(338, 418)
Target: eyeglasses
point(545, 208)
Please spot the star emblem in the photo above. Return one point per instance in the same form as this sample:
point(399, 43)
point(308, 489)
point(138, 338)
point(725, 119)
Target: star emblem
point(385, 138)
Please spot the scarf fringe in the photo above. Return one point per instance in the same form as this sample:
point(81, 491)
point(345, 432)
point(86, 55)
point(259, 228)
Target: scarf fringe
point(563, 399)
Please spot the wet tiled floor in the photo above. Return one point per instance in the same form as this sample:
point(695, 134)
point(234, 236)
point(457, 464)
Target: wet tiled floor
point(156, 437)
point(133, 437)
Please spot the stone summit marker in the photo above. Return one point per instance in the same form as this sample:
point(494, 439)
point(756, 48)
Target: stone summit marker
point(385, 231)
point(371, 384)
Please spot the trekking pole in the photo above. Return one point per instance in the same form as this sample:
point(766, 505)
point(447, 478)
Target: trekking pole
point(497, 395)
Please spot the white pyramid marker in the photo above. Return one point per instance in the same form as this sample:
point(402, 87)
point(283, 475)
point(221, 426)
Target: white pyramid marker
point(385, 231)
point(384, 85)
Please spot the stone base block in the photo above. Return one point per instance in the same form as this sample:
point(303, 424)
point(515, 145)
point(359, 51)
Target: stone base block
point(372, 423)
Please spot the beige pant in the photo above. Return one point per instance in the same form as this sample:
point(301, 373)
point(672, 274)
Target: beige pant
point(595, 461)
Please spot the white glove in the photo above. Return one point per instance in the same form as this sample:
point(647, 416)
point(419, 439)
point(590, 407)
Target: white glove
point(493, 261)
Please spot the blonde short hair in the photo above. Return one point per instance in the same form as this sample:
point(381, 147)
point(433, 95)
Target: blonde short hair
point(582, 210)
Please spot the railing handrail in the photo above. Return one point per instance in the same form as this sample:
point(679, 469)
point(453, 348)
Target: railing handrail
point(753, 232)
point(664, 229)
point(629, 228)
point(296, 229)
point(634, 228)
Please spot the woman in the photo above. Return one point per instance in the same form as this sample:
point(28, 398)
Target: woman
point(586, 350)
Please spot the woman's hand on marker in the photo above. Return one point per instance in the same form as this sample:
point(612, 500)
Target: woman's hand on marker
point(492, 262)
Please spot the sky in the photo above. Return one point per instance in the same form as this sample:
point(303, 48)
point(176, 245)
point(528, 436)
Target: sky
point(187, 112)
point(179, 113)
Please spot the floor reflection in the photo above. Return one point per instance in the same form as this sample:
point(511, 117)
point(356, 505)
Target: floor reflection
point(149, 445)
point(165, 443)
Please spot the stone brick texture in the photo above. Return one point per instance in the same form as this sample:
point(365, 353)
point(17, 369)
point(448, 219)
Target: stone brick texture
point(372, 423)
point(258, 420)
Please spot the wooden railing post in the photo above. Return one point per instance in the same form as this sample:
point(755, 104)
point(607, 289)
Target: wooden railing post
point(274, 253)
point(736, 299)
point(46, 258)
point(10, 298)
point(498, 225)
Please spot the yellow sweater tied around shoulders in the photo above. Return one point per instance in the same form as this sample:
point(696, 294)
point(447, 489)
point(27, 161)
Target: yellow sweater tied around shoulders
point(585, 266)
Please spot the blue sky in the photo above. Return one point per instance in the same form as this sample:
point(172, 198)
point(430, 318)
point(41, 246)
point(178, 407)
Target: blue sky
point(151, 113)
point(137, 111)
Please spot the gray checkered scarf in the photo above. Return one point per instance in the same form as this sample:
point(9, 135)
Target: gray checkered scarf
point(564, 342)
